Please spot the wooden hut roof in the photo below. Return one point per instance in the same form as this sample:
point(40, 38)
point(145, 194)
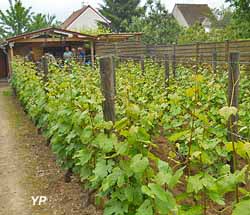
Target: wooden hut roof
point(45, 32)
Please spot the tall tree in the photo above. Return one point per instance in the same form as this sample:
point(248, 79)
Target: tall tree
point(157, 25)
point(241, 17)
point(242, 8)
point(221, 17)
point(120, 12)
point(41, 21)
point(16, 19)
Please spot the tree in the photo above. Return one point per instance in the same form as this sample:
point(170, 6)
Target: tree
point(120, 12)
point(242, 8)
point(221, 18)
point(16, 19)
point(157, 25)
point(241, 17)
point(41, 21)
point(195, 33)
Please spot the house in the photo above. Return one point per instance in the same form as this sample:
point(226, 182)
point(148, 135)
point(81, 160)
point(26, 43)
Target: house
point(85, 18)
point(189, 14)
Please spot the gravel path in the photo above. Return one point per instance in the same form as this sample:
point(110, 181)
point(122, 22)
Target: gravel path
point(28, 168)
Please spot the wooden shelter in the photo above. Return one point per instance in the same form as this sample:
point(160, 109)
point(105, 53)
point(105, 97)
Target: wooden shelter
point(51, 40)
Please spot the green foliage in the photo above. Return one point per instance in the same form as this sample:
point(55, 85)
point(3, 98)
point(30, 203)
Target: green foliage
point(120, 12)
point(18, 19)
point(195, 33)
point(241, 7)
point(226, 24)
point(123, 162)
point(242, 208)
point(241, 18)
point(157, 25)
point(100, 30)
point(40, 21)
point(221, 18)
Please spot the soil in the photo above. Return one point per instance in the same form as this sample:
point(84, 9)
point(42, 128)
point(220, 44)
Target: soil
point(28, 168)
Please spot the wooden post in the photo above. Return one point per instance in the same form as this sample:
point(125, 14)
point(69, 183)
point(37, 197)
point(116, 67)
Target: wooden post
point(226, 50)
point(10, 57)
point(45, 68)
point(92, 53)
point(166, 66)
point(233, 94)
point(142, 65)
point(174, 59)
point(214, 60)
point(201, 60)
point(197, 56)
point(108, 87)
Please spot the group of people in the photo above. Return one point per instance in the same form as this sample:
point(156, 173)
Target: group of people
point(69, 54)
point(78, 54)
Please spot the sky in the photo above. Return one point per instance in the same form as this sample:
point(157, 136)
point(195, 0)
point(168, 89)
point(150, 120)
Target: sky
point(63, 8)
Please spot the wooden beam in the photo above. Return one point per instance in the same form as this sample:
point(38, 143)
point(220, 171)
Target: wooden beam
point(49, 40)
point(10, 57)
point(92, 53)
point(108, 87)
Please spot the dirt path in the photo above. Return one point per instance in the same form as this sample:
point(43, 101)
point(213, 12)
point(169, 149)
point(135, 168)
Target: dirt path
point(28, 168)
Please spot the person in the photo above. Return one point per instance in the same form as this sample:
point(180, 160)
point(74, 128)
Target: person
point(30, 56)
point(51, 57)
point(74, 53)
point(67, 55)
point(81, 55)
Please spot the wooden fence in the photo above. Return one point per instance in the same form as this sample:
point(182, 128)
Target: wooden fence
point(198, 52)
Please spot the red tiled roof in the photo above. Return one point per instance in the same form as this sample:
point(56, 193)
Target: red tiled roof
point(77, 13)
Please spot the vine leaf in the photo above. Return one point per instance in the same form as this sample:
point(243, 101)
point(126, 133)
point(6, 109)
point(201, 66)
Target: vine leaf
point(145, 208)
point(226, 112)
point(242, 208)
point(139, 163)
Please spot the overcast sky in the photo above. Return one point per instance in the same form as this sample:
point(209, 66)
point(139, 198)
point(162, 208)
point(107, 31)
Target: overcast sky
point(63, 8)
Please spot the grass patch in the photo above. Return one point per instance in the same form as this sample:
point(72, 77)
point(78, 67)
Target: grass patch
point(7, 92)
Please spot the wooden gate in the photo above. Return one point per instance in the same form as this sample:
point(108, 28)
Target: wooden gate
point(3, 65)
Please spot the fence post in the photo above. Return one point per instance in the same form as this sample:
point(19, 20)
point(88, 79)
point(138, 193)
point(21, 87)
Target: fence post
point(214, 60)
point(174, 59)
point(197, 55)
point(92, 50)
point(233, 94)
point(166, 65)
point(226, 50)
point(108, 87)
point(45, 68)
point(142, 65)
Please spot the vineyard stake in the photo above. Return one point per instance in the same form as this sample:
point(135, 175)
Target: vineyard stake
point(142, 65)
point(45, 67)
point(197, 56)
point(214, 60)
point(166, 65)
point(108, 87)
point(233, 96)
point(174, 60)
